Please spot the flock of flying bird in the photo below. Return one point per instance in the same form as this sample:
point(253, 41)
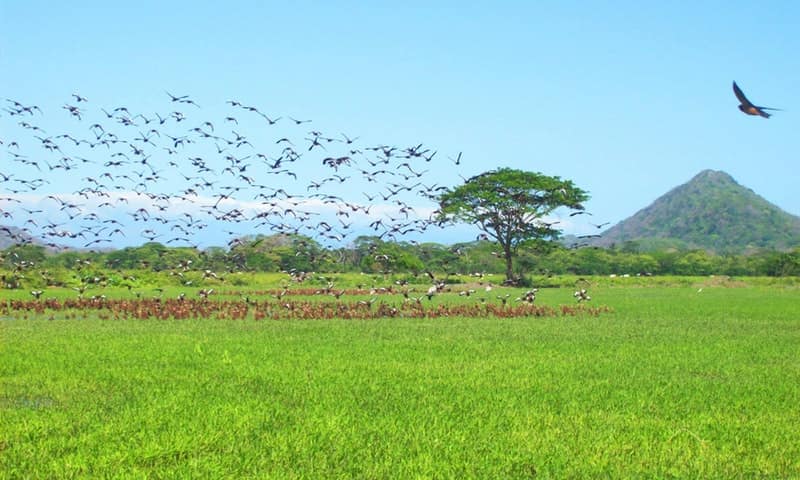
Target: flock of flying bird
point(165, 176)
point(174, 174)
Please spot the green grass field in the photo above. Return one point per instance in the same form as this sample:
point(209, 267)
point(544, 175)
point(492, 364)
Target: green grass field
point(672, 383)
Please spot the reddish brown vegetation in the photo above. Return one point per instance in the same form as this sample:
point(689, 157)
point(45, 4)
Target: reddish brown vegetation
point(164, 309)
point(310, 291)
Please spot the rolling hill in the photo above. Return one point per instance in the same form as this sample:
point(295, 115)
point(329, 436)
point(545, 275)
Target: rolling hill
point(712, 212)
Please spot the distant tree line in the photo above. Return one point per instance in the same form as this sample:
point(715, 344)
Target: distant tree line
point(373, 255)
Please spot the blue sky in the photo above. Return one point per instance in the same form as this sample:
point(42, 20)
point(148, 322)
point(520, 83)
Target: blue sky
point(627, 99)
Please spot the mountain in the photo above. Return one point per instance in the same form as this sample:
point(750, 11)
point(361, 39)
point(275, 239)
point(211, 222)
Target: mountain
point(710, 212)
point(10, 236)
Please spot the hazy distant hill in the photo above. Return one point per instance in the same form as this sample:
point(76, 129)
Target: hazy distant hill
point(712, 212)
point(10, 236)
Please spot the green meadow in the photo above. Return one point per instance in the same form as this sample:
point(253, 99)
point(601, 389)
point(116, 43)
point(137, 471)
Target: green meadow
point(687, 378)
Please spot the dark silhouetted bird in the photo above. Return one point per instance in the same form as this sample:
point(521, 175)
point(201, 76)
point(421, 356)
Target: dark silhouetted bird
point(747, 107)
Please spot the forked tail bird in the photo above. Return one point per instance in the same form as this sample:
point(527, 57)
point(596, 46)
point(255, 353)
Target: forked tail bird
point(747, 107)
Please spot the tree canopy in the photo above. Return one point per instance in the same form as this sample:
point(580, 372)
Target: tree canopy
point(510, 206)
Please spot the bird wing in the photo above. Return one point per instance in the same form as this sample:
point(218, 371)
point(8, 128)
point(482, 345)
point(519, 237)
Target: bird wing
point(747, 104)
point(740, 95)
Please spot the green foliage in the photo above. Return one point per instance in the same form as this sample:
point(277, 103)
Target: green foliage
point(471, 259)
point(782, 264)
point(508, 206)
point(148, 255)
point(390, 257)
point(710, 212)
point(25, 253)
point(153, 265)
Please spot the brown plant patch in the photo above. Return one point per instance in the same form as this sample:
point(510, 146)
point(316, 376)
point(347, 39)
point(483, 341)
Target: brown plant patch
point(722, 281)
point(178, 309)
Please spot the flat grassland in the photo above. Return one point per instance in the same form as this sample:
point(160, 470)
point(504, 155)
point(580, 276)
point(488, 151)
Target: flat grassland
point(672, 382)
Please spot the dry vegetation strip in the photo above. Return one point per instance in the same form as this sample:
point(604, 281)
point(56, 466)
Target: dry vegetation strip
point(164, 309)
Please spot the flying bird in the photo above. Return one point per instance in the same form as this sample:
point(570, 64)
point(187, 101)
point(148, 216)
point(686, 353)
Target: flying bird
point(747, 107)
point(127, 162)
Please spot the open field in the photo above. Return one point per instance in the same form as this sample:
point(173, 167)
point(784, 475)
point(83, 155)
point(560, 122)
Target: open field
point(672, 381)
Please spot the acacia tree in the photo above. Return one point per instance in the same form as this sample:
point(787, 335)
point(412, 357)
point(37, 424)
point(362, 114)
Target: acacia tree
point(509, 206)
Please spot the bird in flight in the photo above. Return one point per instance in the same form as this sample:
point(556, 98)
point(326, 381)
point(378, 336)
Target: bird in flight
point(748, 107)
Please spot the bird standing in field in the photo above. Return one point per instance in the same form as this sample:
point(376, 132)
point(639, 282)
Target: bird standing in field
point(747, 107)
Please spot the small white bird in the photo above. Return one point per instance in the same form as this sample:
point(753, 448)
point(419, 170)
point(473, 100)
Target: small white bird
point(431, 292)
point(582, 295)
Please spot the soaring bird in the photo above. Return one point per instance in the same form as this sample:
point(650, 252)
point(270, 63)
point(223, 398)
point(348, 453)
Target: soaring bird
point(748, 107)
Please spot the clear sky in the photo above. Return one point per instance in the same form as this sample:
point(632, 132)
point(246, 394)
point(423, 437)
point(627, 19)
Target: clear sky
point(626, 99)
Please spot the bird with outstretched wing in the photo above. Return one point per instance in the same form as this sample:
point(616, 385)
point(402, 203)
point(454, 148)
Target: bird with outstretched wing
point(747, 107)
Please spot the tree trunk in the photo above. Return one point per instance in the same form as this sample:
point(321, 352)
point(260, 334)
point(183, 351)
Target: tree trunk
point(509, 269)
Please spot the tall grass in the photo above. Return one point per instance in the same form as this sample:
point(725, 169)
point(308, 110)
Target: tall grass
point(673, 383)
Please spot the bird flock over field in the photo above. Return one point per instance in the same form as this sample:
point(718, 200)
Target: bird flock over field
point(86, 175)
point(93, 174)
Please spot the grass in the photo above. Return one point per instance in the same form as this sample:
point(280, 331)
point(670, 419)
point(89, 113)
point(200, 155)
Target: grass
point(674, 383)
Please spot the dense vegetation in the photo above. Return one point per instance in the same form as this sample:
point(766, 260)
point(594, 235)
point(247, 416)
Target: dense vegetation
point(509, 207)
point(153, 263)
